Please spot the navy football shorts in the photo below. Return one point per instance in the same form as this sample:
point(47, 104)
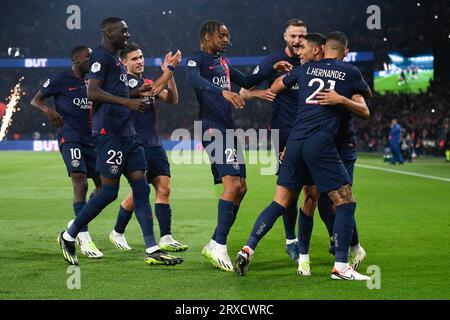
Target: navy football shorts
point(117, 155)
point(314, 160)
point(157, 162)
point(225, 155)
point(79, 158)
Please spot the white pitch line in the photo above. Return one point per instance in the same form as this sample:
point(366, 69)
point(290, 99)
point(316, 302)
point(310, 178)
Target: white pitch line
point(403, 172)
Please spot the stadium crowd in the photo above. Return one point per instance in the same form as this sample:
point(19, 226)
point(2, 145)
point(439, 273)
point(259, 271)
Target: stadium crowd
point(171, 24)
point(422, 117)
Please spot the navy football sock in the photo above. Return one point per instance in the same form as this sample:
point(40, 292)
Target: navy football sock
point(264, 223)
point(326, 212)
point(163, 213)
point(290, 220)
point(342, 231)
point(77, 207)
point(123, 217)
point(355, 237)
point(235, 212)
point(224, 220)
point(143, 211)
point(305, 227)
point(92, 208)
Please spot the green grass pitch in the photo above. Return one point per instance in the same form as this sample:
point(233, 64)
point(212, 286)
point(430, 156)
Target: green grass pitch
point(403, 221)
point(390, 83)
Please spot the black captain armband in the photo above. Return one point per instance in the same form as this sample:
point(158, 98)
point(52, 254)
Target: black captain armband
point(170, 68)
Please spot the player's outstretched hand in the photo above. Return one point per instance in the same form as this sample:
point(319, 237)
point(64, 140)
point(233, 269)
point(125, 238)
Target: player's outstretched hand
point(283, 66)
point(282, 154)
point(329, 97)
point(137, 105)
point(171, 59)
point(56, 119)
point(235, 99)
point(264, 94)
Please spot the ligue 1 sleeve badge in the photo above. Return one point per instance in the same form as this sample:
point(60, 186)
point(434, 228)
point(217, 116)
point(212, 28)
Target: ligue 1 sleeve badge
point(96, 66)
point(132, 83)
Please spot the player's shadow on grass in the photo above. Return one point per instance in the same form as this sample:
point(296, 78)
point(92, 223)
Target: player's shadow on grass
point(273, 264)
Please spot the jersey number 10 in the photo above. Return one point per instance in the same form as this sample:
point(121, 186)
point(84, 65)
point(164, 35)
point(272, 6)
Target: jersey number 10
point(310, 99)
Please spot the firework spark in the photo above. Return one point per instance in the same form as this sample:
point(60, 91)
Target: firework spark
point(13, 99)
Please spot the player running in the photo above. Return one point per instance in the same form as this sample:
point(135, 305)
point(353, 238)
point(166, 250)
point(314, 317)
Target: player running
point(158, 167)
point(311, 153)
point(119, 149)
point(211, 76)
point(284, 111)
point(71, 116)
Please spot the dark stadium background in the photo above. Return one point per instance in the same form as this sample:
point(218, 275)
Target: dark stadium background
point(38, 29)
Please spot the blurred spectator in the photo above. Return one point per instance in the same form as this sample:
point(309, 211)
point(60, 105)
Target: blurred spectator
point(394, 142)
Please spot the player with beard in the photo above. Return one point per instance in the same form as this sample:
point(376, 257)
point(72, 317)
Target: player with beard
point(284, 108)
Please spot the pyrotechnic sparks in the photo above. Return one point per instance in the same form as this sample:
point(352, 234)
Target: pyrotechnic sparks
point(13, 100)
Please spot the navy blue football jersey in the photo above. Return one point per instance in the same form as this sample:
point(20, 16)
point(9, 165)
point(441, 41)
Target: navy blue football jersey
point(111, 119)
point(285, 103)
point(316, 76)
point(72, 104)
point(145, 123)
point(210, 75)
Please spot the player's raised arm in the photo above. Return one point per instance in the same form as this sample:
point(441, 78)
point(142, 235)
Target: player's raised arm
point(246, 81)
point(283, 66)
point(38, 102)
point(278, 85)
point(171, 61)
point(95, 93)
point(170, 93)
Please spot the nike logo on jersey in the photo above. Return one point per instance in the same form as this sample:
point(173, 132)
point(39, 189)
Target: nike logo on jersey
point(72, 88)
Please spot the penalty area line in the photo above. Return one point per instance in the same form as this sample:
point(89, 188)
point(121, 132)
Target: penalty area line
point(402, 172)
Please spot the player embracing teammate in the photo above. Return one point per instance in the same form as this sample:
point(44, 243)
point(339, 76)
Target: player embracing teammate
point(311, 155)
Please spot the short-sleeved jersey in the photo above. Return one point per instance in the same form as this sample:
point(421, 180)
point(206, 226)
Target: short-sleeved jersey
point(145, 123)
point(215, 110)
point(316, 76)
point(72, 104)
point(285, 103)
point(111, 119)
